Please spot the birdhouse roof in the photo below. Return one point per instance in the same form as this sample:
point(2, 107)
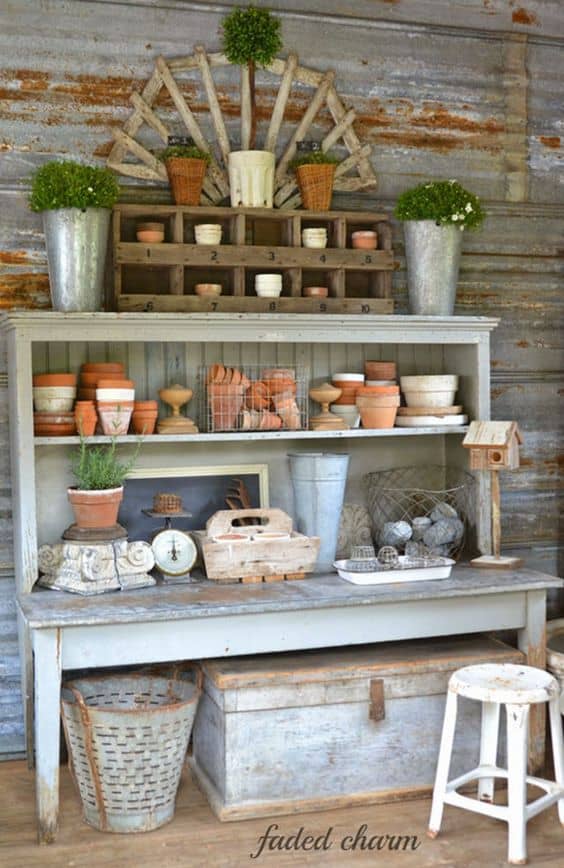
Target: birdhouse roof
point(485, 435)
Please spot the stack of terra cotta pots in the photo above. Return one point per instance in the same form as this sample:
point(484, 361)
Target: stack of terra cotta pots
point(345, 405)
point(379, 398)
point(53, 399)
point(107, 397)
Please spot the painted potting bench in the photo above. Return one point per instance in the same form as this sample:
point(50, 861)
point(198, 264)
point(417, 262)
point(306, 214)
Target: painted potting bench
point(204, 620)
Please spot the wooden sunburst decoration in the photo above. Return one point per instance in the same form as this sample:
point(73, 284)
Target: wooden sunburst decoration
point(352, 173)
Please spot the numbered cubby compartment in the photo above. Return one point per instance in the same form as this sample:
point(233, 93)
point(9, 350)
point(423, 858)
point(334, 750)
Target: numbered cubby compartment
point(364, 225)
point(336, 231)
point(271, 230)
point(147, 279)
point(229, 227)
point(333, 280)
point(291, 281)
point(223, 276)
point(129, 223)
point(365, 284)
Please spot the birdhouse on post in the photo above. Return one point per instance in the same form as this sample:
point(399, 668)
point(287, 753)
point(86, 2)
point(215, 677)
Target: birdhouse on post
point(494, 446)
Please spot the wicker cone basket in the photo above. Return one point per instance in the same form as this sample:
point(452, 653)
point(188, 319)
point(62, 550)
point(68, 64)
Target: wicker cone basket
point(127, 737)
point(316, 185)
point(186, 176)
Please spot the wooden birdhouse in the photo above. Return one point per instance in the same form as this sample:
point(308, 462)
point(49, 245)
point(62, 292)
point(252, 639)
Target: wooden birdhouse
point(493, 445)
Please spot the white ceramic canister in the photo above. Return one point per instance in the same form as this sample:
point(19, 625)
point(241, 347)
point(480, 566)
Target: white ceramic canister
point(251, 178)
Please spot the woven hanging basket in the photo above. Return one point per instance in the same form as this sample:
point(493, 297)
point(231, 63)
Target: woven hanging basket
point(186, 176)
point(315, 181)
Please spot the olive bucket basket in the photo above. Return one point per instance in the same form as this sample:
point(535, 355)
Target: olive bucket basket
point(127, 737)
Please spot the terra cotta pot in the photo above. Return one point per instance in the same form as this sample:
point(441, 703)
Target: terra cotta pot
point(94, 509)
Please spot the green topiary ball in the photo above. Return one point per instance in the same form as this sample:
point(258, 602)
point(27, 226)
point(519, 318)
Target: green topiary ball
point(251, 35)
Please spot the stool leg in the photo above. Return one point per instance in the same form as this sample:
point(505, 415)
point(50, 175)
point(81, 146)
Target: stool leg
point(443, 765)
point(488, 748)
point(517, 750)
point(557, 749)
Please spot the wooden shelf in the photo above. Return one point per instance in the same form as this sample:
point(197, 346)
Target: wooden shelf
point(162, 277)
point(234, 436)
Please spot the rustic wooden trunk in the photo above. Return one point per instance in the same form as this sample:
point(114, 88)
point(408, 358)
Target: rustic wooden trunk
point(287, 733)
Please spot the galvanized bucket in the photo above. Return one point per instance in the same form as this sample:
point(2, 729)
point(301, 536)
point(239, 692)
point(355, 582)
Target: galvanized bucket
point(319, 481)
point(76, 242)
point(127, 737)
point(432, 255)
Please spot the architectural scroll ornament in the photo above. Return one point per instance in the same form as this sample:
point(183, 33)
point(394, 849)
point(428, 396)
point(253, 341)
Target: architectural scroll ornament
point(94, 568)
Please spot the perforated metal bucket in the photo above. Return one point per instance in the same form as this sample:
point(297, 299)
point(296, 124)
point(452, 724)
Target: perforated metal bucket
point(127, 737)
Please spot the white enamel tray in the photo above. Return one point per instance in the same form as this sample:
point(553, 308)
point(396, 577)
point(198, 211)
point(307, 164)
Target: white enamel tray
point(440, 570)
point(421, 421)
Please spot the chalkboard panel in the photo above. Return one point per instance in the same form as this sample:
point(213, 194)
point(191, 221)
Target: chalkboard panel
point(202, 494)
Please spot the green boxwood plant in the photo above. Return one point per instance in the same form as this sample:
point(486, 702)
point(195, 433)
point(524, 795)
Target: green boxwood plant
point(251, 37)
point(313, 158)
point(445, 202)
point(67, 184)
point(189, 152)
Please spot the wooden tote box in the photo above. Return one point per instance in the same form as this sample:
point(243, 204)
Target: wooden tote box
point(286, 733)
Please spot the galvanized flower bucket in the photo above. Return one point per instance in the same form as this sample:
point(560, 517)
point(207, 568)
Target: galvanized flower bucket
point(432, 254)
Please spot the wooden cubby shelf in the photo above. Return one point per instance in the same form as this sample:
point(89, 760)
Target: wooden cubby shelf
point(162, 277)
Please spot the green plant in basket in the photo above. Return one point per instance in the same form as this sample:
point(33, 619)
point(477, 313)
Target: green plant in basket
point(187, 152)
point(251, 37)
point(98, 467)
point(68, 184)
point(314, 158)
point(445, 202)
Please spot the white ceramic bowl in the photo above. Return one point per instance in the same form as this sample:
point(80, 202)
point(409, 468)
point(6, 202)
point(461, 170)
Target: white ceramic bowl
point(115, 394)
point(268, 291)
point(351, 378)
point(381, 383)
point(442, 398)
point(314, 242)
point(53, 405)
point(348, 412)
point(208, 233)
point(54, 391)
point(429, 383)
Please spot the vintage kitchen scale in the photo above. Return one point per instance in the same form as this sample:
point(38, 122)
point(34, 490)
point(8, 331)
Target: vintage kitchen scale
point(174, 550)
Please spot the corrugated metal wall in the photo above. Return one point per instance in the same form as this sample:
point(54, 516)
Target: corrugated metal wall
point(470, 89)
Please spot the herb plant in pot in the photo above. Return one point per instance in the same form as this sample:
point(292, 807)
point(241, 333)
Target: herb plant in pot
point(186, 166)
point(99, 491)
point(76, 202)
point(315, 173)
point(251, 37)
point(435, 216)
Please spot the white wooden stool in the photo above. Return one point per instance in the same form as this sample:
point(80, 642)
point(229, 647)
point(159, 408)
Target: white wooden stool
point(516, 687)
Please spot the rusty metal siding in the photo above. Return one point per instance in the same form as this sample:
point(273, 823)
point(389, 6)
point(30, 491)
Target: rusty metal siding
point(442, 88)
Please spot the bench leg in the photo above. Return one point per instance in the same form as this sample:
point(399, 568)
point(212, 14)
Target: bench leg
point(443, 765)
point(557, 749)
point(47, 667)
point(488, 748)
point(517, 752)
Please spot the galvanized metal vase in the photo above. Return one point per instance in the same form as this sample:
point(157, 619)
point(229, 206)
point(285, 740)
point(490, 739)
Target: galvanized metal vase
point(319, 481)
point(76, 242)
point(432, 255)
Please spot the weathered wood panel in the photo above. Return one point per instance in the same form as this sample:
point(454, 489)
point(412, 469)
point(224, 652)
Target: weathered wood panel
point(474, 95)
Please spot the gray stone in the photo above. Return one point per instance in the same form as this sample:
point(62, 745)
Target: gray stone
point(443, 510)
point(420, 525)
point(444, 531)
point(395, 533)
point(413, 549)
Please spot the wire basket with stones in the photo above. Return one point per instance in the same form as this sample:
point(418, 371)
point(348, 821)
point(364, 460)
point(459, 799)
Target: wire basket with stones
point(421, 511)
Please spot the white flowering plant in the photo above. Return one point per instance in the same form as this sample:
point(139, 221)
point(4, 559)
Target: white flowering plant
point(445, 202)
point(66, 184)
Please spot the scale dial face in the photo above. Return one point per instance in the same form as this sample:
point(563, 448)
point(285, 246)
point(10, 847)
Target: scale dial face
point(175, 552)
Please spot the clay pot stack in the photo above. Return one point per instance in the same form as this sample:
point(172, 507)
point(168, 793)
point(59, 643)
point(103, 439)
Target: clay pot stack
point(53, 399)
point(430, 401)
point(379, 399)
point(345, 406)
point(144, 417)
point(266, 403)
point(104, 395)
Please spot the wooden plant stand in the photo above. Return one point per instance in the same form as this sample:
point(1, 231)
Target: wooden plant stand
point(162, 277)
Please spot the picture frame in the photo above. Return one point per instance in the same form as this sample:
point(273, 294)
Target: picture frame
point(202, 490)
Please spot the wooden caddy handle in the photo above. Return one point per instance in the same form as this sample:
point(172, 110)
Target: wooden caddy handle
point(274, 520)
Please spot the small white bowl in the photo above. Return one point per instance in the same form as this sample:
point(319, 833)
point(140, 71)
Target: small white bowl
point(115, 394)
point(54, 391)
point(351, 378)
point(381, 383)
point(208, 233)
point(442, 398)
point(348, 412)
point(268, 291)
point(429, 383)
point(314, 242)
point(53, 405)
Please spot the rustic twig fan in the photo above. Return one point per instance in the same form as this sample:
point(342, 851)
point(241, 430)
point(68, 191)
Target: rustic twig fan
point(353, 173)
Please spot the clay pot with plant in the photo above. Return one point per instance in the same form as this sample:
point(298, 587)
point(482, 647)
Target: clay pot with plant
point(251, 38)
point(75, 201)
point(315, 173)
point(435, 216)
point(186, 166)
point(100, 475)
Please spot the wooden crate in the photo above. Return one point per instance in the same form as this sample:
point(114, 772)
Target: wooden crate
point(288, 733)
point(257, 558)
point(162, 277)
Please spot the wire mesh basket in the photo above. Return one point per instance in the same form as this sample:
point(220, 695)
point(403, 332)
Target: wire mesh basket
point(422, 510)
point(253, 398)
point(127, 737)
